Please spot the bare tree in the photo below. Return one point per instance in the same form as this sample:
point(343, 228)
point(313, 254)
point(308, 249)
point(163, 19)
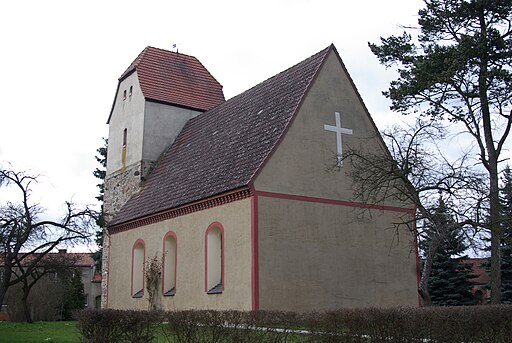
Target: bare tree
point(30, 274)
point(26, 240)
point(414, 172)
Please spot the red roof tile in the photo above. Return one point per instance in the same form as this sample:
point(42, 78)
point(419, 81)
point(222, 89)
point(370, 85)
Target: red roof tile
point(222, 149)
point(174, 78)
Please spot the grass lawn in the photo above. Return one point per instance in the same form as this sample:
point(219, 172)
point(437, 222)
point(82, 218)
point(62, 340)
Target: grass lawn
point(43, 332)
point(61, 332)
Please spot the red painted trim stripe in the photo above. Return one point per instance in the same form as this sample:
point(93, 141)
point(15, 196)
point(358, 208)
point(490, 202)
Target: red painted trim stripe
point(333, 202)
point(254, 254)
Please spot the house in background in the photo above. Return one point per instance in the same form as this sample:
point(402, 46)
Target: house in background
point(46, 295)
point(239, 198)
point(91, 278)
point(481, 290)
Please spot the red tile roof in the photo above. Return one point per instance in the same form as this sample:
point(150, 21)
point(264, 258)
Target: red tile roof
point(176, 79)
point(79, 259)
point(223, 148)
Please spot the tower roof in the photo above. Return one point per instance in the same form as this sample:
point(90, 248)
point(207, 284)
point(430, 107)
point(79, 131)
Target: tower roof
point(176, 79)
point(224, 148)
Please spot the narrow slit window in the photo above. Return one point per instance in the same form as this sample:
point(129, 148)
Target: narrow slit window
point(124, 95)
point(125, 138)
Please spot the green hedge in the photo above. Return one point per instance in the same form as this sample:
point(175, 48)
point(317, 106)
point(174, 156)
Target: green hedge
point(432, 324)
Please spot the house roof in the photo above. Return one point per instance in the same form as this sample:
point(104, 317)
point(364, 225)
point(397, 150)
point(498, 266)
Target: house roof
point(77, 259)
point(481, 274)
point(174, 78)
point(223, 148)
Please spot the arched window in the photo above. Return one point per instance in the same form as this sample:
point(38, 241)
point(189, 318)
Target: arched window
point(138, 258)
point(131, 91)
point(170, 251)
point(214, 259)
point(124, 95)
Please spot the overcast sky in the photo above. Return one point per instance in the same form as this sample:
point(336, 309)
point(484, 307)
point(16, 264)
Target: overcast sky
point(61, 61)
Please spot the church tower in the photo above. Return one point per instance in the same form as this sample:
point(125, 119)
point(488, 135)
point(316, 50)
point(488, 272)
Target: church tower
point(158, 93)
point(155, 97)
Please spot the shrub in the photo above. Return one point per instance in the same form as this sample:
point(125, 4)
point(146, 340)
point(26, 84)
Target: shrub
point(432, 324)
point(99, 326)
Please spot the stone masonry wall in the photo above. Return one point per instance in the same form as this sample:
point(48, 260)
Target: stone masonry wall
point(119, 187)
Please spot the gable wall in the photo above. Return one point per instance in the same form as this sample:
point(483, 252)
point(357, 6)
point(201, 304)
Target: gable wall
point(302, 163)
point(190, 231)
point(314, 253)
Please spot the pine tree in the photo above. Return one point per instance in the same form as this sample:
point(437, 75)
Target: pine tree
point(456, 68)
point(506, 243)
point(100, 221)
point(450, 279)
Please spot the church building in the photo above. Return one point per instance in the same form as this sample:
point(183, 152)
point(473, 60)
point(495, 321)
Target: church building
point(240, 201)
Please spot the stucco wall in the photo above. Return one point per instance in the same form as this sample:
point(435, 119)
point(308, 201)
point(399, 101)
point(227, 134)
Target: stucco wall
point(320, 255)
point(315, 256)
point(235, 219)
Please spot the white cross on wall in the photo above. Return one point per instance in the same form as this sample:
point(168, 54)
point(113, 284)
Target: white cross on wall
point(338, 130)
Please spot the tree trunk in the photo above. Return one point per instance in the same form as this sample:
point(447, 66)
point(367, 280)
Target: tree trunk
point(6, 279)
point(495, 229)
point(427, 269)
point(491, 166)
point(26, 309)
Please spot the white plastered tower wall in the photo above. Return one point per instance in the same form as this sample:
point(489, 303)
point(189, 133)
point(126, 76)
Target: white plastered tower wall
point(316, 251)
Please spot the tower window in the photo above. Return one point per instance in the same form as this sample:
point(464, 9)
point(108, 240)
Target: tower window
point(131, 91)
point(125, 138)
point(124, 94)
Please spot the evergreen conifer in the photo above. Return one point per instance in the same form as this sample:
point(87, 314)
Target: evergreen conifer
point(450, 279)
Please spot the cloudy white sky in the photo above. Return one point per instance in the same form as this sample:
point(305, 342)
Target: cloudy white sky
point(61, 61)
